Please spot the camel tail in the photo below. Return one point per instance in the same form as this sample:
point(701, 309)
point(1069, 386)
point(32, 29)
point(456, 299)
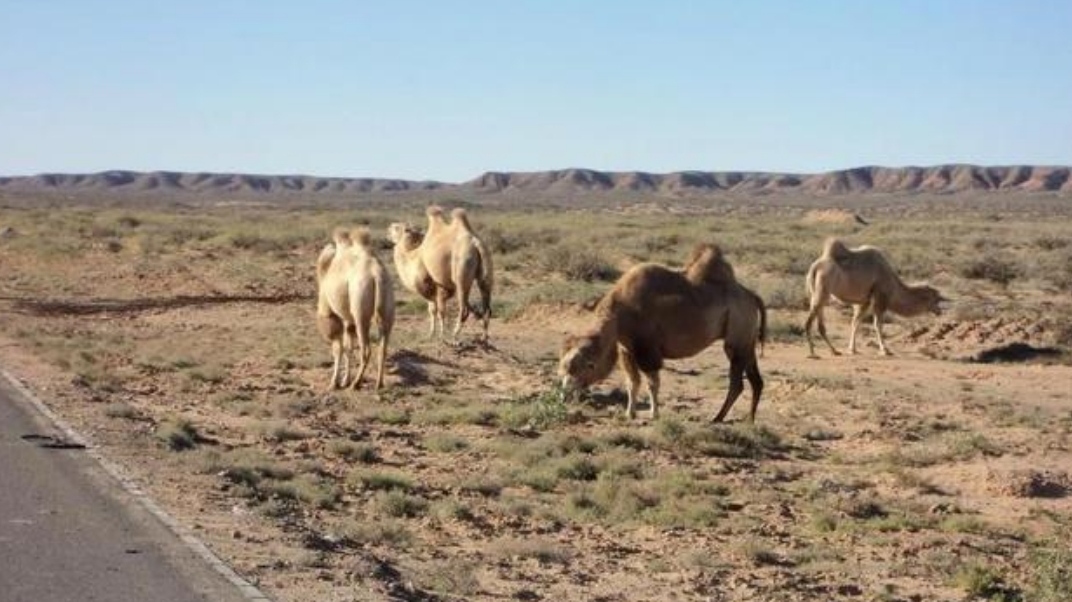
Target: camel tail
point(809, 283)
point(485, 278)
point(762, 334)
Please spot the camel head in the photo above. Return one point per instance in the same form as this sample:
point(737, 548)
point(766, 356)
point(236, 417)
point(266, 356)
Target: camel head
point(361, 236)
point(585, 360)
point(341, 236)
point(932, 300)
point(404, 234)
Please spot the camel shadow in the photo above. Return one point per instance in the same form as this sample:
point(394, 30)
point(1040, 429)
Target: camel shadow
point(412, 367)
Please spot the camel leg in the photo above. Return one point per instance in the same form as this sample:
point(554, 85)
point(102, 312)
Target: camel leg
point(857, 318)
point(441, 309)
point(463, 307)
point(755, 380)
point(878, 333)
point(364, 351)
point(653, 392)
point(822, 333)
point(737, 367)
point(628, 365)
point(347, 352)
point(432, 319)
point(384, 335)
point(336, 356)
point(812, 313)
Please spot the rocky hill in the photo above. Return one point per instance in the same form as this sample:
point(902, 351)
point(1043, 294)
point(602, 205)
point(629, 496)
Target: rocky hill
point(941, 179)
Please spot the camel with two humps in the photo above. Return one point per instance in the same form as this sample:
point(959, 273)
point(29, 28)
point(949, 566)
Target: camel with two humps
point(447, 261)
point(354, 290)
point(655, 313)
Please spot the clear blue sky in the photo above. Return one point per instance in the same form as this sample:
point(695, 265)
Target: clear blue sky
point(448, 89)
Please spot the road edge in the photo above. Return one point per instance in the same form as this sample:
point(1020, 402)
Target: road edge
point(185, 535)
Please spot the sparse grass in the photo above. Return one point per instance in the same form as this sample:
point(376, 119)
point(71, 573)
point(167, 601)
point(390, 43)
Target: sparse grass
point(983, 582)
point(541, 550)
point(399, 504)
point(1051, 578)
point(178, 434)
point(540, 410)
point(351, 451)
point(529, 467)
point(280, 431)
point(379, 480)
point(122, 410)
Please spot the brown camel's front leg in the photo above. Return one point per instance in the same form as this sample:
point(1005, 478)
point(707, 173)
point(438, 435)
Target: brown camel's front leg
point(857, 315)
point(627, 362)
point(653, 392)
point(878, 333)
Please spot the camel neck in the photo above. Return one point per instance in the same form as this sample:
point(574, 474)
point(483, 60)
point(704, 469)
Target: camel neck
point(906, 300)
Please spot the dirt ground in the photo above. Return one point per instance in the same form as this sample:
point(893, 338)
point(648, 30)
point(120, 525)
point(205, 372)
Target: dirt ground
point(927, 475)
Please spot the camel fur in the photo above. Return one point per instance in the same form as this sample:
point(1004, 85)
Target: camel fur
point(446, 262)
point(863, 278)
point(655, 313)
point(354, 290)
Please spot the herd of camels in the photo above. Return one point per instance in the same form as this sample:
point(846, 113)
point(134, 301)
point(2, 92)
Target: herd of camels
point(651, 314)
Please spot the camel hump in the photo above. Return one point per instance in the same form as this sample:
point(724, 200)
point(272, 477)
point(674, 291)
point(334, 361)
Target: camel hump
point(707, 263)
point(459, 216)
point(361, 236)
point(341, 236)
point(835, 249)
point(323, 261)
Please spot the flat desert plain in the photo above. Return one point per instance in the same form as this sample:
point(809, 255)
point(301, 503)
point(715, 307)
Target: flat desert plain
point(181, 340)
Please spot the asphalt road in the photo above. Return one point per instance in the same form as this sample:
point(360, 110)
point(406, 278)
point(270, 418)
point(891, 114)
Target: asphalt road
point(69, 532)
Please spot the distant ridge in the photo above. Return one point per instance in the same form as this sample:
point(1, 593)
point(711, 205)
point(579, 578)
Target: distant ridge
point(940, 179)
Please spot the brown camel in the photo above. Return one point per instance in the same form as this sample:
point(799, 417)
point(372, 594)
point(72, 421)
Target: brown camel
point(448, 260)
point(863, 278)
point(654, 313)
point(354, 289)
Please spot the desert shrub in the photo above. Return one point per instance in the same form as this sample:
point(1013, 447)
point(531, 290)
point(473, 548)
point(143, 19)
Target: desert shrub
point(502, 242)
point(993, 268)
point(577, 264)
point(1049, 242)
point(353, 452)
point(121, 409)
point(379, 481)
point(399, 504)
point(982, 582)
point(1052, 574)
point(178, 434)
point(542, 409)
point(445, 442)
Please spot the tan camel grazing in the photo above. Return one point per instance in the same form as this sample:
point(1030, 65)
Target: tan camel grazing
point(447, 261)
point(863, 278)
point(354, 290)
point(654, 313)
